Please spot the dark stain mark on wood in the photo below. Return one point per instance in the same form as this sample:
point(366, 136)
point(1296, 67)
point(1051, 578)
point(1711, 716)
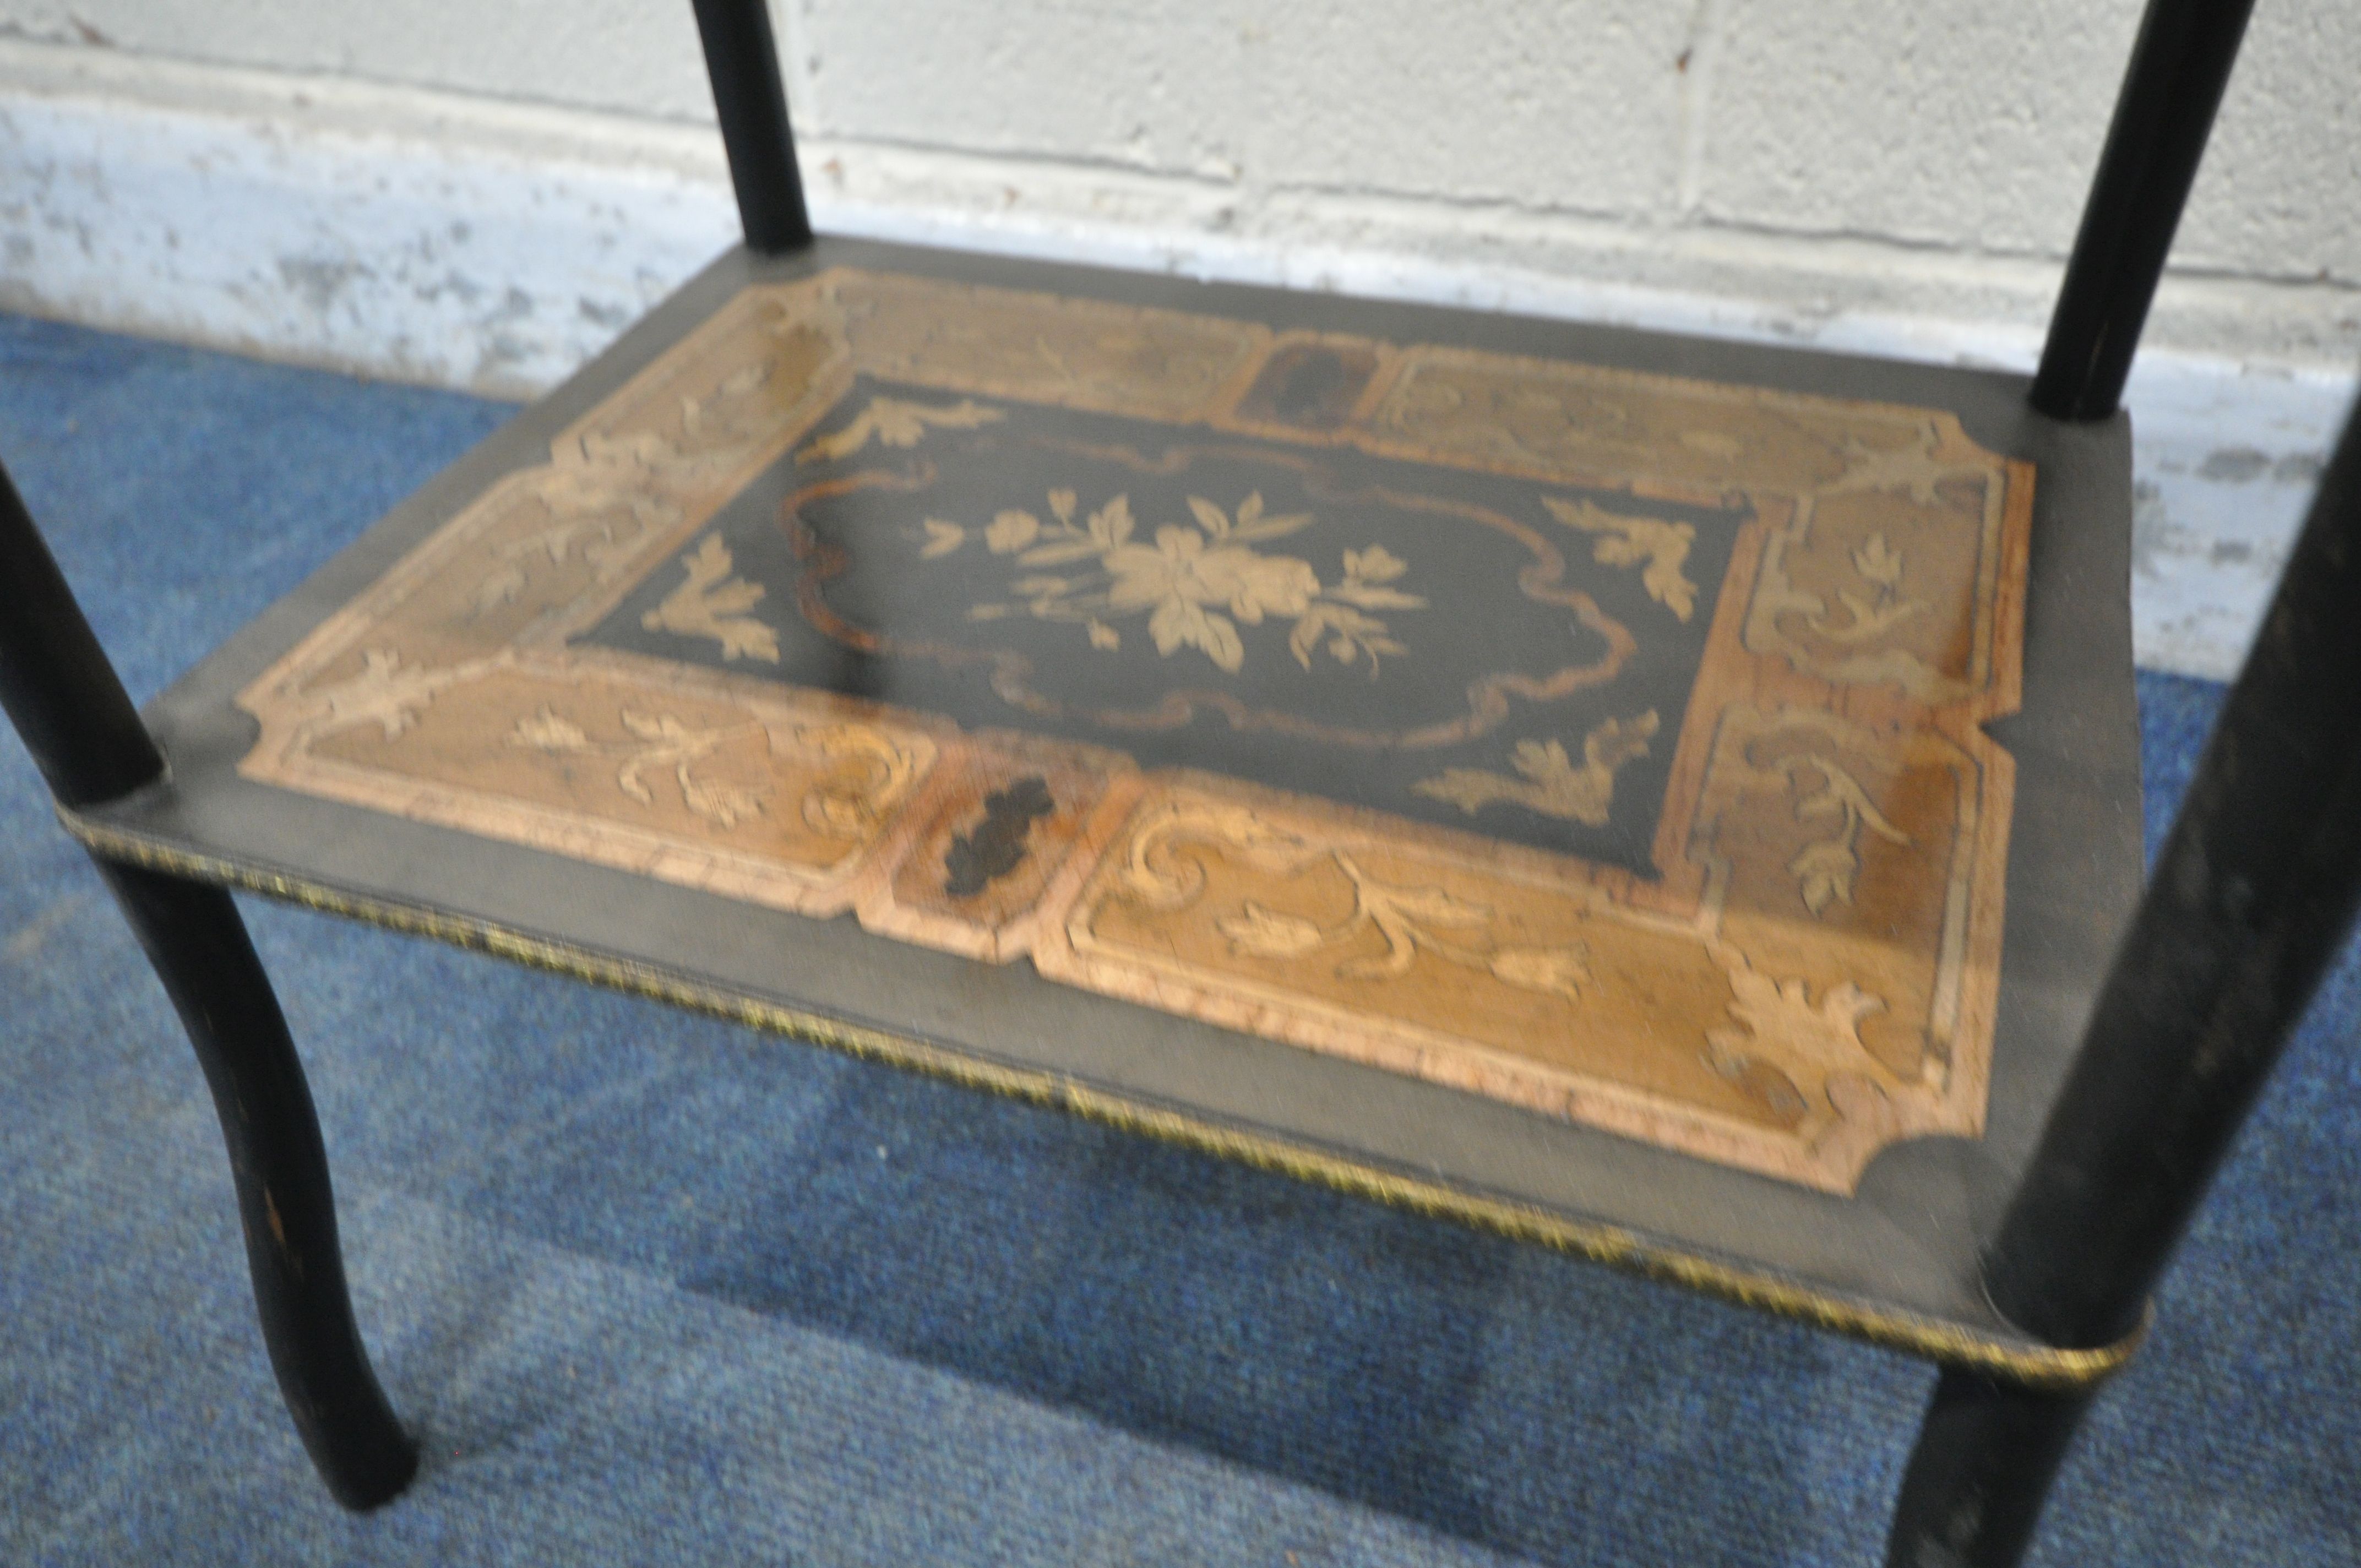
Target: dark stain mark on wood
point(1310, 386)
point(995, 846)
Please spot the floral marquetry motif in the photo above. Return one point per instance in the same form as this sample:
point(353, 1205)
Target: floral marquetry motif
point(1604, 744)
point(1187, 579)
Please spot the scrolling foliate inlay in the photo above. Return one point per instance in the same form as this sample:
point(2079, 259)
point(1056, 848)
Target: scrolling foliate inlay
point(1551, 782)
point(1606, 743)
point(1186, 578)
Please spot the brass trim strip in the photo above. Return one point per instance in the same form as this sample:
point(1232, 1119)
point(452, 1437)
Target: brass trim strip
point(1944, 1344)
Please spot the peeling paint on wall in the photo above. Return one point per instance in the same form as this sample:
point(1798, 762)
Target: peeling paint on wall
point(2225, 461)
point(339, 226)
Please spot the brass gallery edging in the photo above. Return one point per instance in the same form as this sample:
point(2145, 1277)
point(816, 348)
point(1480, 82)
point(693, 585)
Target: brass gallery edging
point(1944, 1343)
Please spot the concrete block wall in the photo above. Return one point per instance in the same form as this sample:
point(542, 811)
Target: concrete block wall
point(479, 194)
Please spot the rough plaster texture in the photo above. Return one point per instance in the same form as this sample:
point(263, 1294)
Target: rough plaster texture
point(1907, 129)
point(1973, 125)
point(622, 55)
point(478, 195)
point(333, 223)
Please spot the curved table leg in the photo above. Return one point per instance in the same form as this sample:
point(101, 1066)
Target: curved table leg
point(193, 935)
point(66, 701)
point(1986, 1455)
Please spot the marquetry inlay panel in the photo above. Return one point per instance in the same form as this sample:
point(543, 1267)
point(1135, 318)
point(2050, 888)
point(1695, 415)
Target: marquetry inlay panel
point(1605, 744)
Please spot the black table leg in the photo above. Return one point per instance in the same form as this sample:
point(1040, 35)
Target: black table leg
point(193, 935)
point(741, 60)
point(2180, 67)
point(66, 702)
point(1986, 1455)
point(2247, 904)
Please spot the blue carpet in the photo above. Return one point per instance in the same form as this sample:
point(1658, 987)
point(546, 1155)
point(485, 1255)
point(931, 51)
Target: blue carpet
point(656, 1289)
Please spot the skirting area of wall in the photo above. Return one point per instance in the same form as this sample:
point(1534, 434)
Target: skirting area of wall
point(472, 243)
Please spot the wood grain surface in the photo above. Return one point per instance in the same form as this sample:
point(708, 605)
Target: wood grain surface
point(1606, 743)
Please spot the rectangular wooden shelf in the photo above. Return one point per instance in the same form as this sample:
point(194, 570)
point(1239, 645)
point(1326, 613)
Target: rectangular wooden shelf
point(1663, 797)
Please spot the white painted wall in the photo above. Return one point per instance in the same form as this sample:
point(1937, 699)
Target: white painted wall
point(480, 192)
